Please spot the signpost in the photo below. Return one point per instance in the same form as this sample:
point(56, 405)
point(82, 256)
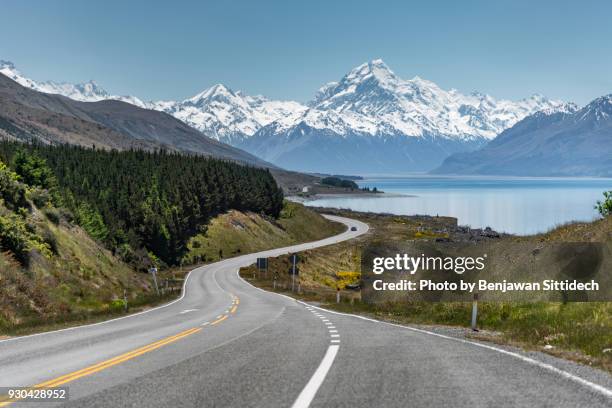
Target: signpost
point(262, 265)
point(153, 271)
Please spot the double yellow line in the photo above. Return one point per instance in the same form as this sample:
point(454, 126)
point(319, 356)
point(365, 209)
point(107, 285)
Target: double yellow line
point(108, 363)
point(56, 382)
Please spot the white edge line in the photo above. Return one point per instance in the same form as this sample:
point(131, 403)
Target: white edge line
point(327, 241)
point(106, 321)
point(596, 387)
point(310, 390)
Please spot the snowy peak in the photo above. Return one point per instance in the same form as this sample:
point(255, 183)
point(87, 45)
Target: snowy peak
point(599, 109)
point(227, 115)
point(375, 70)
point(215, 92)
point(419, 107)
point(8, 69)
point(85, 92)
point(370, 99)
point(6, 65)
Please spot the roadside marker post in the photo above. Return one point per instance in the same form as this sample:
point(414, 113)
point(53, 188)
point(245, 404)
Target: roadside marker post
point(294, 259)
point(338, 294)
point(475, 312)
point(153, 271)
point(125, 300)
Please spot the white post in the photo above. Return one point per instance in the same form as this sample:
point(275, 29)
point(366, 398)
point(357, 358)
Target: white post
point(153, 271)
point(293, 259)
point(475, 312)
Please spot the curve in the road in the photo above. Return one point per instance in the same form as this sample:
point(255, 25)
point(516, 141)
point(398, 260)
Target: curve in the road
point(257, 348)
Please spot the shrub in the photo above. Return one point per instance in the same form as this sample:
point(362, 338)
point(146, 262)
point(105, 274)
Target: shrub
point(49, 238)
point(605, 207)
point(116, 305)
point(41, 198)
point(14, 237)
point(12, 192)
point(52, 215)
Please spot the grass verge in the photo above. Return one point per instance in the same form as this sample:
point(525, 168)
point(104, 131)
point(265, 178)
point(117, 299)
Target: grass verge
point(579, 331)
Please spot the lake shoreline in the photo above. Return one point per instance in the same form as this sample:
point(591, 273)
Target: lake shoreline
point(518, 206)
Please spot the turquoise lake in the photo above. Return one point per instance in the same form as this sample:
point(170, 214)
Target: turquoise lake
point(514, 205)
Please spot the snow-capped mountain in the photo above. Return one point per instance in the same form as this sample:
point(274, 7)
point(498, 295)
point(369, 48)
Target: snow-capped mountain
point(373, 99)
point(568, 142)
point(85, 92)
point(226, 115)
point(402, 125)
point(369, 108)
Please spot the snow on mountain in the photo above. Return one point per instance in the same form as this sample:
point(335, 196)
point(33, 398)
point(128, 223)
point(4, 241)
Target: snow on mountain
point(85, 92)
point(226, 115)
point(568, 142)
point(8, 69)
point(374, 121)
point(218, 112)
point(419, 107)
point(371, 101)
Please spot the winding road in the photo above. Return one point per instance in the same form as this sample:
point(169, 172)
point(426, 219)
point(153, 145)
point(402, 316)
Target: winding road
point(225, 343)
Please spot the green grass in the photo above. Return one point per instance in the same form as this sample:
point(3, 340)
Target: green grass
point(235, 232)
point(83, 282)
point(579, 331)
point(582, 328)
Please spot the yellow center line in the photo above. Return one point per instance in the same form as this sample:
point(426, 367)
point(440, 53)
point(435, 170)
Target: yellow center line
point(220, 319)
point(233, 310)
point(109, 363)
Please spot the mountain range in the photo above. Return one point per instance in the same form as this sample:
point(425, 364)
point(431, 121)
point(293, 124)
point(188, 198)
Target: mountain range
point(370, 121)
point(568, 142)
point(27, 114)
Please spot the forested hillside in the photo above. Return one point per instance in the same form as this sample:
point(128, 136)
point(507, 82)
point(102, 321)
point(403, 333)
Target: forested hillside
point(76, 224)
point(143, 206)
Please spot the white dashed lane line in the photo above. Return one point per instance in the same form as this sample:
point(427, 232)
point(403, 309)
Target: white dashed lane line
point(333, 332)
point(309, 392)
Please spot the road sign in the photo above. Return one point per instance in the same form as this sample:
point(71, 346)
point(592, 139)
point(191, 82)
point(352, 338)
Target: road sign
point(262, 263)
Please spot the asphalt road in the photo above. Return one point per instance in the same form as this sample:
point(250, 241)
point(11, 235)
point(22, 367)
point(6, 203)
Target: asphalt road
point(225, 343)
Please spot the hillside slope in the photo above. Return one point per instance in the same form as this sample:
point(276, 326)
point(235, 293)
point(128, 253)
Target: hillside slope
point(238, 232)
point(26, 114)
point(49, 267)
point(570, 143)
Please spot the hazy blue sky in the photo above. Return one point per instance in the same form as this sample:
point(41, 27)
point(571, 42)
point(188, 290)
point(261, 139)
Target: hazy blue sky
point(288, 49)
